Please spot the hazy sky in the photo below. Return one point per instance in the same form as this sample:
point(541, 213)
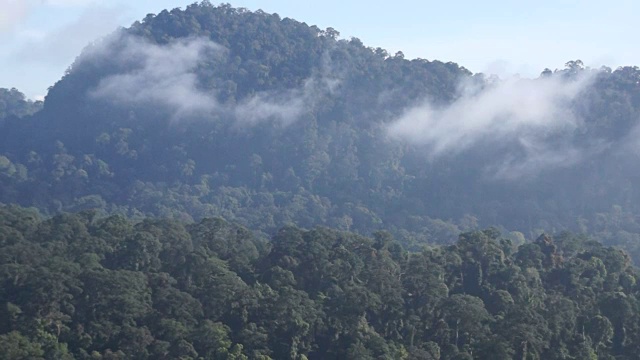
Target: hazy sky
point(39, 39)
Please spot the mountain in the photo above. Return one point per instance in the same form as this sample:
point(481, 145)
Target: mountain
point(215, 183)
point(267, 121)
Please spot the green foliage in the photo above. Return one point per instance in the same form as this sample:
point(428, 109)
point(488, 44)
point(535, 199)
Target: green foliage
point(17, 347)
point(157, 289)
point(112, 281)
point(13, 103)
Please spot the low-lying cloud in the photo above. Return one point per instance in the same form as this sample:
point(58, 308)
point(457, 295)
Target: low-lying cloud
point(151, 74)
point(166, 76)
point(534, 115)
point(285, 106)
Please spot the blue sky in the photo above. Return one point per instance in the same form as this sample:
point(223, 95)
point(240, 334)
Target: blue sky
point(40, 38)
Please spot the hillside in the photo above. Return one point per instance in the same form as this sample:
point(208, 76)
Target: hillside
point(267, 121)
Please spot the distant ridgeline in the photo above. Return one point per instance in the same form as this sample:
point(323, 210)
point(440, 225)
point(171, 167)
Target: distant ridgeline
point(13, 103)
point(265, 121)
point(80, 286)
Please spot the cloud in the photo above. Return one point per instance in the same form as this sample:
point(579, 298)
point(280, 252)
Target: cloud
point(165, 76)
point(285, 106)
point(533, 116)
point(155, 75)
point(536, 156)
point(289, 105)
point(13, 12)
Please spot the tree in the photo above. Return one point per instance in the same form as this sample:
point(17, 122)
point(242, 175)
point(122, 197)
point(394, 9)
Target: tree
point(17, 347)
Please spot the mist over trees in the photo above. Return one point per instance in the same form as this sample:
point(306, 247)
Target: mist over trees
point(344, 175)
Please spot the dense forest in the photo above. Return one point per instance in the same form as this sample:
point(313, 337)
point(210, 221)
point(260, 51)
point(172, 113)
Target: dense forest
point(88, 287)
point(217, 183)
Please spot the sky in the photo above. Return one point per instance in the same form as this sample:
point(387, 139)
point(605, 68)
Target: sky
point(39, 39)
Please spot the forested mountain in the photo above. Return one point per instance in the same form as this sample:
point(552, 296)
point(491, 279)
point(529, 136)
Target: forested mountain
point(216, 183)
point(86, 287)
point(267, 121)
point(218, 111)
point(221, 111)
